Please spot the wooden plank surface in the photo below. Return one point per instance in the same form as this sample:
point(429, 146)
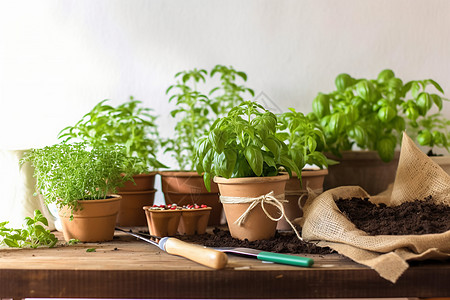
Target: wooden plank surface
point(129, 268)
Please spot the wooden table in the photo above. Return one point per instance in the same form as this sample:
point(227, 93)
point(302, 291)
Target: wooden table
point(129, 268)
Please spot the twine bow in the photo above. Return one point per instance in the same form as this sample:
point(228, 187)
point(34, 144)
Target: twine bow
point(268, 198)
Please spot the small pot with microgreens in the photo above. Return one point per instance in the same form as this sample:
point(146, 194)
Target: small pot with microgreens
point(82, 180)
point(305, 141)
point(133, 126)
point(244, 156)
point(367, 117)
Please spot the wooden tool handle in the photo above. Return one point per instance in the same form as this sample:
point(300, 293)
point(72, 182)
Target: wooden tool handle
point(202, 255)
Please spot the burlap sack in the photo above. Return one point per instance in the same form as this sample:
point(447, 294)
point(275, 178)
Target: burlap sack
point(417, 177)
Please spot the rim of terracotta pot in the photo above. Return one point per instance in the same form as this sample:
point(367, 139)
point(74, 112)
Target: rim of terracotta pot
point(178, 173)
point(196, 209)
point(114, 197)
point(359, 155)
point(148, 208)
point(246, 180)
point(138, 192)
point(311, 173)
point(151, 173)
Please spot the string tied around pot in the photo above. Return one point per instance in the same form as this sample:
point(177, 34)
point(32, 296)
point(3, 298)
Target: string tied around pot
point(267, 199)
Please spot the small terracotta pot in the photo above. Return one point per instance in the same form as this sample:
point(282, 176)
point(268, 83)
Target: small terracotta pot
point(362, 168)
point(142, 182)
point(185, 188)
point(194, 221)
point(257, 225)
point(312, 179)
point(131, 213)
point(162, 222)
point(94, 222)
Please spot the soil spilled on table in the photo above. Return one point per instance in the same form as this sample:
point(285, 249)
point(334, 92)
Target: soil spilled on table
point(416, 217)
point(282, 242)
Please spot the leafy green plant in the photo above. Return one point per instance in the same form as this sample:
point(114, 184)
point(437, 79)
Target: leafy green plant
point(305, 140)
point(193, 108)
point(127, 124)
point(229, 94)
point(372, 114)
point(32, 235)
point(242, 144)
point(66, 173)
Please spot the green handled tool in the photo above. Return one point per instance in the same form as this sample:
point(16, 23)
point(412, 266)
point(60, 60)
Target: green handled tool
point(269, 256)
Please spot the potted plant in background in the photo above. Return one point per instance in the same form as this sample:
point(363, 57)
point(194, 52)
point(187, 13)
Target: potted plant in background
point(196, 111)
point(370, 115)
point(82, 181)
point(229, 93)
point(243, 154)
point(134, 127)
point(305, 142)
point(185, 186)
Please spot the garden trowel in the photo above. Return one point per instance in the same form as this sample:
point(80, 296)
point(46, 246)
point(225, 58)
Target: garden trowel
point(202, 255)
point(279, 258)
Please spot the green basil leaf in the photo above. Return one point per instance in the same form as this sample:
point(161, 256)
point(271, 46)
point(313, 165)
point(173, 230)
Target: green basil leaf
point(254, 158)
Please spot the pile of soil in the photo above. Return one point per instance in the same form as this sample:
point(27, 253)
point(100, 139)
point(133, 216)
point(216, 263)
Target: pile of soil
point(416, 217)
point(282, 242)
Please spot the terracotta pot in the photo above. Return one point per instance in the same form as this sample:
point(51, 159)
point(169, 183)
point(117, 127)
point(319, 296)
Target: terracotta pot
point(95, 222)
point(162, 222)
point(131, 213)
point(257, 225)
point(362, 168)
point(312, 179)
point(142, 182)
point(185, 188)
point(443, 162)
point(194, 221)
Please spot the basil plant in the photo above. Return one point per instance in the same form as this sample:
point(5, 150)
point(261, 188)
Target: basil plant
point(243, 144)
point(372, 114)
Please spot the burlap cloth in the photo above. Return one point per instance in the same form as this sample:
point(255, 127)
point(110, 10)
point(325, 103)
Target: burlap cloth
point(417, 178)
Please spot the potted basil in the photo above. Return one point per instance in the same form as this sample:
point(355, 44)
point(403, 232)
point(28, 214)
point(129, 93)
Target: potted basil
point(305, 141)
point(82, 181)
point(242, 153)
point(370, 115)
point(134, 127)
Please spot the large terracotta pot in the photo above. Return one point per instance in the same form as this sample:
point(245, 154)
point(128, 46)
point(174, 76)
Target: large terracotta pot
point(297, 194)
point(131, 213)
point(94, 222)
point(362, 168)
point(142, 182)
point(257, 225)
point(135, 196)
point(185, 188)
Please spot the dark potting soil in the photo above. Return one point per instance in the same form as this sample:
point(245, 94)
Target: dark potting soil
point(282, 242)
point(416, 217)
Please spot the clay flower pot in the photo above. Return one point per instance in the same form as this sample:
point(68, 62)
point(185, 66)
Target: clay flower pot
point(257, 225)
point(185, 188)
point(294, 192)
point(194, 220)
point(95, 222)
point(131, 213)
point(162, 222)
point(362, 168)
point(142, 182)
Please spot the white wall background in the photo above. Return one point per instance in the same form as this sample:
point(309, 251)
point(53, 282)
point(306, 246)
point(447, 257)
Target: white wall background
point(58, 58)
